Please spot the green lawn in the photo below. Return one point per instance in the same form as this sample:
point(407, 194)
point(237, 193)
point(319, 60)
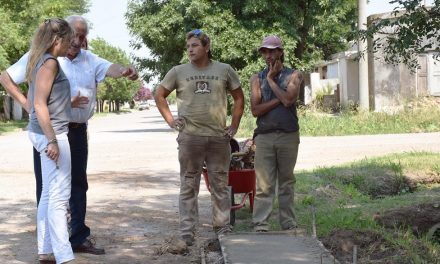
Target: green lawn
point(417, 117)
point(350, 196)
point(10, 126)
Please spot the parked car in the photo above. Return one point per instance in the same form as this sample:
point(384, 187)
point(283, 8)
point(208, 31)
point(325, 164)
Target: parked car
point(143, 106)
point(151, 102)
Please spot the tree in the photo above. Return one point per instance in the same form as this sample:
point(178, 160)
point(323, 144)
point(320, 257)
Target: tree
point(311, 30)
point(143, 94)
point(19, 20)
point(119, 90)
point(411, 29)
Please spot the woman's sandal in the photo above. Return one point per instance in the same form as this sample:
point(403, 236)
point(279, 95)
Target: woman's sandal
point(46, 259)
point(49, 259)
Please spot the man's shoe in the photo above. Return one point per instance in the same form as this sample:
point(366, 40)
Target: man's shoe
point(88, 247)
point(223, 230)
point(261, 228)
point(189, 239)
point(293, 226)
point(47, 261)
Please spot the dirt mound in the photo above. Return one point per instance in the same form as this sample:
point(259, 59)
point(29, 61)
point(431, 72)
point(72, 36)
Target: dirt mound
point(378, 183)
point(371, 247)
point(421, 218)
point(429, 177)
point(173, 245)
point(390, 180)
point(329, 191)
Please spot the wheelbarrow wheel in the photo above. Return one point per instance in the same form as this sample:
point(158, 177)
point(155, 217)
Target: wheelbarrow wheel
point(232, 218)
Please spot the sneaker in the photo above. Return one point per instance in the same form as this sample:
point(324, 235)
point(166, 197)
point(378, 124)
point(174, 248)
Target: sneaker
point(291, 227)
point(189, 239)
point(261, 228)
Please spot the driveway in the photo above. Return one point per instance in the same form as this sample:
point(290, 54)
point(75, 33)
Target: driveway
point(134, 185)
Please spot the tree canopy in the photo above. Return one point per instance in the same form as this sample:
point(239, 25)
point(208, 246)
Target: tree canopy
point(311, 30)
point(144, 93)
point(19, 20)
point(118, 90)
point(411, 29)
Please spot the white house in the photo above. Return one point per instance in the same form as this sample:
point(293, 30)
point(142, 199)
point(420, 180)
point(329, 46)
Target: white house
point(389, 85)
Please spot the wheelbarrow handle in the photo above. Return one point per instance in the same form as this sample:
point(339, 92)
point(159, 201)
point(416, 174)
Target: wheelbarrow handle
point(238, 154)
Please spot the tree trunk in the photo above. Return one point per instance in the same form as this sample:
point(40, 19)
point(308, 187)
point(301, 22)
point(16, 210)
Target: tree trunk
point(304, 30)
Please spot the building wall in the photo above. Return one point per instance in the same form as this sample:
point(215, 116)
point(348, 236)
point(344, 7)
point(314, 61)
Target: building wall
point(332, 70)
point(433, 74)
point(385, 82)
point(343, 87)
point(392, 85)
point(352, 81)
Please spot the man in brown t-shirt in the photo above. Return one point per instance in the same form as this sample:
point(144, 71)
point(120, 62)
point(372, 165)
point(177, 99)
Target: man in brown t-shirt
point(201, 87)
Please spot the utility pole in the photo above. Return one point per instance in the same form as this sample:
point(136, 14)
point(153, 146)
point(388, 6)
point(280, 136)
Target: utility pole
point(363, 61)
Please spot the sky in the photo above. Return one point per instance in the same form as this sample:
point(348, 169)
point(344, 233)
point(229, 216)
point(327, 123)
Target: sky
point(108, 22)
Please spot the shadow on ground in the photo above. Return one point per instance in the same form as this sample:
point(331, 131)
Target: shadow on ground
point(131, 214)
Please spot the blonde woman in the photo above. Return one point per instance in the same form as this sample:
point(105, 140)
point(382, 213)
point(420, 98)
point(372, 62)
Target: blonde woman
point(49, 97)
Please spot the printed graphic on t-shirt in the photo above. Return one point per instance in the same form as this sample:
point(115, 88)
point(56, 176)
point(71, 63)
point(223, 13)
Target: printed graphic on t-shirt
point(202, 77)
point(202, 88)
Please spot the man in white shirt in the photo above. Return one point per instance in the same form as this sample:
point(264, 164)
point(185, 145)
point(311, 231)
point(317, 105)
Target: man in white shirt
point(84, 71)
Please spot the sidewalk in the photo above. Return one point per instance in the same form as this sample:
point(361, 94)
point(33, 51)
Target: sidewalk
point(274, 248)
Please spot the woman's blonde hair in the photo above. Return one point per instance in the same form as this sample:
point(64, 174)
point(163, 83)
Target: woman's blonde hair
point(44, 38)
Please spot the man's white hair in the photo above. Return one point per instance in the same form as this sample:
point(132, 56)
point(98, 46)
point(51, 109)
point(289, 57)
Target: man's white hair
point(74, 18)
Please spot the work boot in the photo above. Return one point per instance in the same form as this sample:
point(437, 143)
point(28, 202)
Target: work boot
point(189, 239)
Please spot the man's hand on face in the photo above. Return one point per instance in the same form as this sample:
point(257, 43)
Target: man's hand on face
point(274, 68)
point(79, 101)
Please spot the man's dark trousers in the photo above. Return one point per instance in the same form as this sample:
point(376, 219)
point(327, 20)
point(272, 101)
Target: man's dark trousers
point(38, 174)
point(78, 200)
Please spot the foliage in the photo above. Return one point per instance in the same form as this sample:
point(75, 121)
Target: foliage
point(406, 33)
point(121, 89)
point(320, 94)
point(143, 94)
point(19, 19)
point(172, 98)
point(416, 117)
point(10, 125)
point(310, 29)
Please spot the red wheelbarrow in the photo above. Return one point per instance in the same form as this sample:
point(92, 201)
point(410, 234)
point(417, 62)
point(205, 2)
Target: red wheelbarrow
point(242, 182)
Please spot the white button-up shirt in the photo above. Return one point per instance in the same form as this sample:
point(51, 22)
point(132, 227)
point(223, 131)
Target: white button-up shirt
point(84, 72)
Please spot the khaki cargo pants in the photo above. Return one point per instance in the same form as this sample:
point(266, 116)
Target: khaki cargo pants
point(194, 151)
point(275, 159)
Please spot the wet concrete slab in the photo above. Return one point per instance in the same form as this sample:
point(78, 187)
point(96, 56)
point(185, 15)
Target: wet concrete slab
point(273, 248)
